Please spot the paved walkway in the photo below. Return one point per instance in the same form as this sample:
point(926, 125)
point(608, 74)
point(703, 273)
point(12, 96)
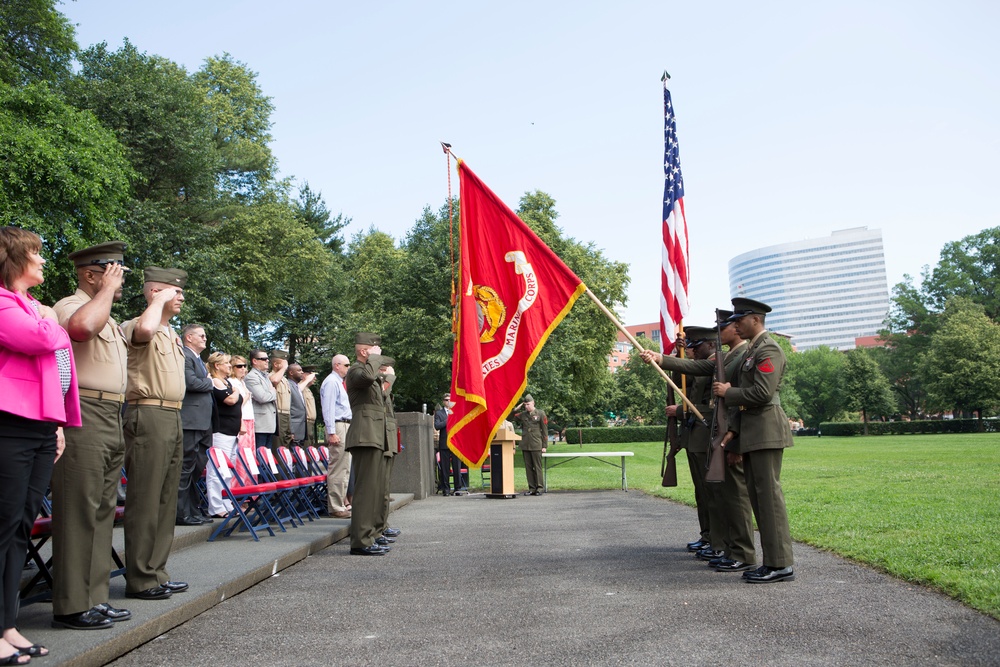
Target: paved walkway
point(570, 578)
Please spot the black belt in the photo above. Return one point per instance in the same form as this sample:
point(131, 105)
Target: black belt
point(345, 421)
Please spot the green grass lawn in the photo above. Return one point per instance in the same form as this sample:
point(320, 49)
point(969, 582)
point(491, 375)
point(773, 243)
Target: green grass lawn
point(925, 508)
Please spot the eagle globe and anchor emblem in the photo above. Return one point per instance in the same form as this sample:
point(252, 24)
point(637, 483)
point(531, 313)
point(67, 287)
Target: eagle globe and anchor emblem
point(491, 311)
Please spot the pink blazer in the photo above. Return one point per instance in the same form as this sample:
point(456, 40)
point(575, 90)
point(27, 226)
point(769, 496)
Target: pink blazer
point(29, 373)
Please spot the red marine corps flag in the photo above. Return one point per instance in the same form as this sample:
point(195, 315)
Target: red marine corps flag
point(513, 291)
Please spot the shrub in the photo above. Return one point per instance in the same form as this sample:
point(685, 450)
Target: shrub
point(587, 436)
point(911, 427)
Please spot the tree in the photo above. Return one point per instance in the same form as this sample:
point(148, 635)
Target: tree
point(240, 119)
point(969, 268)
point(866, 387)
point(62, 175)
point(38, 43)
point(962, 365)
point(640, 392)
point(815, 376)
point(311, 209)
point(572, 366)
point(158, 114)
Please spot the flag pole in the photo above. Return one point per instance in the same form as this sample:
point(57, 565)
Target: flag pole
point(635, 343)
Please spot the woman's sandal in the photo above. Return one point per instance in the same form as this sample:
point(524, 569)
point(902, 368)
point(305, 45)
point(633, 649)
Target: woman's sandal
point(35, 650)
point(13, 657)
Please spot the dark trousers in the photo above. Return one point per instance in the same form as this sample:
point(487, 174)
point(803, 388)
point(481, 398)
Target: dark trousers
point(698, 463)
point(383, 517)
point(196, 444)
point(263, 439)
point(449, 465)
point(153, 452)
point(762, 469)
point(367, 465)
point(24, 477)
point(85, 485)
point(533, 470)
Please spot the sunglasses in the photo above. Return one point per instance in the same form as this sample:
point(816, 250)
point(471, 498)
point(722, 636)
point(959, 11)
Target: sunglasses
point(261, 359)
point(239, 365)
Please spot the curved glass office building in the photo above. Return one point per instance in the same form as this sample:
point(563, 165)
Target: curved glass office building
point(826, 291)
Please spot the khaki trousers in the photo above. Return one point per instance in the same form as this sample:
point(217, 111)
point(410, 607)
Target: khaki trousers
point(84, 498)
point(153, 452)
point(338, 472)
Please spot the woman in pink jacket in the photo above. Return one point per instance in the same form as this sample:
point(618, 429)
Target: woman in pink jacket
point(38, 396)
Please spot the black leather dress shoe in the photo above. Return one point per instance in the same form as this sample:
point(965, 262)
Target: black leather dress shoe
point(716, 561)
point(759, 570)
point(698, 545)
point(373, 550)
point(770, 575)
point(205, 518)
point(536, 493)
point(709, 553)
point(85, 620)
point(157, 593)
point(189, 521)
point(111, 613)
point(175, 586)
point(729, 565)
point(382, 540)
point(392, 532)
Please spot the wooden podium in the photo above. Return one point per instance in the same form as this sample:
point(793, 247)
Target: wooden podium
point(502, 464)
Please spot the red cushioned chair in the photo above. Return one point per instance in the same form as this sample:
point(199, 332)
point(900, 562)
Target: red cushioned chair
point(255, 497)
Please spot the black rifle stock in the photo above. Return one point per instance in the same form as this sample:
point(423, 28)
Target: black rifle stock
point(668, 467)
point(720, 423)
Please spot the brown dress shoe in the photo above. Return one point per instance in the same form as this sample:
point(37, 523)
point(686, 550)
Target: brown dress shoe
point(342, 515)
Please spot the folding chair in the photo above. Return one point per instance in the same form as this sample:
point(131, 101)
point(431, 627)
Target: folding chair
point(296, 467)
point(247, 469)
point(484, 472)
point(299, 503)
point(320, 463)
point(318, 467)
point(254, 495)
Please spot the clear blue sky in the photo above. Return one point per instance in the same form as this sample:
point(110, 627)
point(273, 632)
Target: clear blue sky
point(794, 119)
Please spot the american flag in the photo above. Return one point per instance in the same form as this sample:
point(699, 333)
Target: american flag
point(674, 274)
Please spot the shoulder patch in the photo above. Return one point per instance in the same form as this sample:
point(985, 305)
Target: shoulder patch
point(766, 366)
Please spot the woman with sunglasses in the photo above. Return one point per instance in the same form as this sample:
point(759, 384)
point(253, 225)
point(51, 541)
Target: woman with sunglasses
point(225, 426)
point(246, 437)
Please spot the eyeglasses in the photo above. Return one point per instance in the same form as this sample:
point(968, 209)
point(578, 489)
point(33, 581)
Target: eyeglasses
point(239, 365)
point(261, 359)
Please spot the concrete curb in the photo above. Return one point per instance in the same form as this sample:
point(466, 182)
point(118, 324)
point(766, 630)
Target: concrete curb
point(198, 562)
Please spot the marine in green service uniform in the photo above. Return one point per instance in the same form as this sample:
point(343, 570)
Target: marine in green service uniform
point(534, 438)
point(732, 527)
point(367, 441)
point(756, 418)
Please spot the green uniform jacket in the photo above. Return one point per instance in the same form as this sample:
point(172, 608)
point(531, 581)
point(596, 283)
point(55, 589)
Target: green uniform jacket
point(364, 391)
point(755, 413)
point(391, 426)
point(534, 430)
point(704, 370)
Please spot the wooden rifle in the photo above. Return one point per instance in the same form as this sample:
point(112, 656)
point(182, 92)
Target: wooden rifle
point(720, 422)
point(668, 466)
